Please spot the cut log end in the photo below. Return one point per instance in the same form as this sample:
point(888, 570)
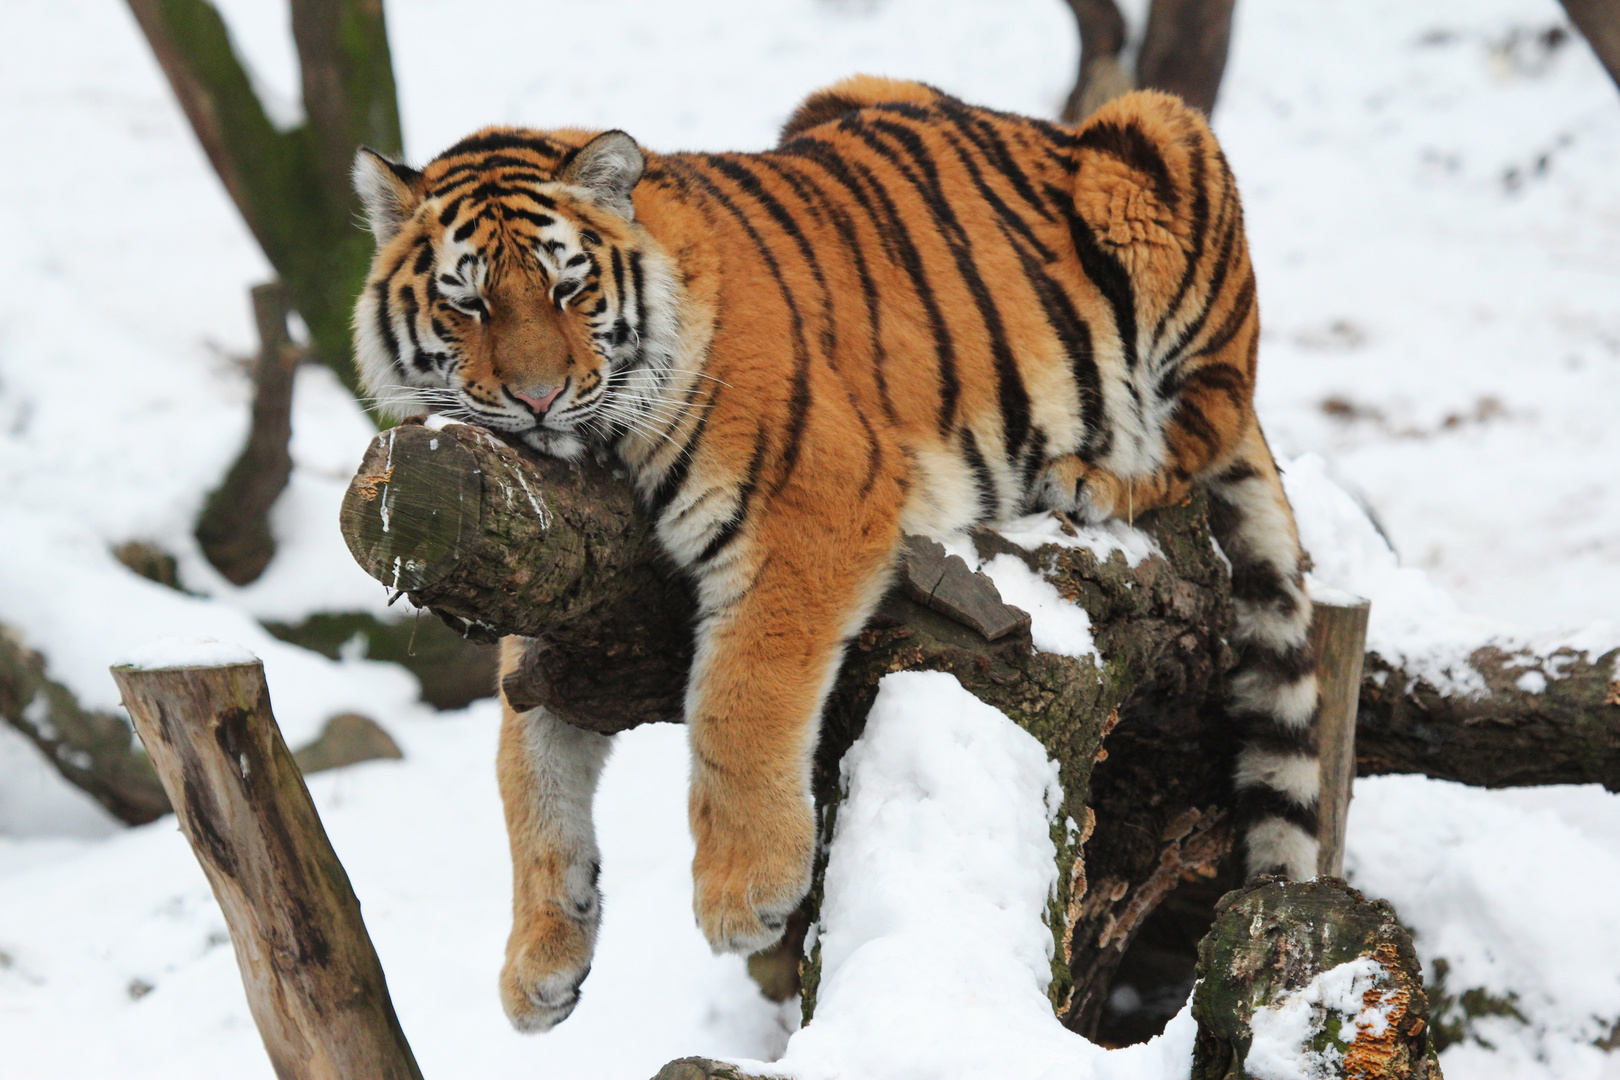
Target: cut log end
point(1318, 951)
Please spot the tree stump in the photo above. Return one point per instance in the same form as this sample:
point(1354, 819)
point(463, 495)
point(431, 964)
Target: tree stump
point(1310, 979)
point(313, 981)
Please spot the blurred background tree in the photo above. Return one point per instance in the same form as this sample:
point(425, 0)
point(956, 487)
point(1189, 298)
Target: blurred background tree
point(291, 187)
point(1183, 50)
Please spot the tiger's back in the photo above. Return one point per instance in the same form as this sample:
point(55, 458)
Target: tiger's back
point(912, 315)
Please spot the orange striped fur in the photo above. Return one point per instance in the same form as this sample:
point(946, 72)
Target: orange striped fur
point(913, 315)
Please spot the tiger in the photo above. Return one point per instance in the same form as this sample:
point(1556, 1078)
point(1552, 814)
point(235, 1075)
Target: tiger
point(912, 315)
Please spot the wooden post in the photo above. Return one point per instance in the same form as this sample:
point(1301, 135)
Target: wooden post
point(1339, 637)
point(313, 980)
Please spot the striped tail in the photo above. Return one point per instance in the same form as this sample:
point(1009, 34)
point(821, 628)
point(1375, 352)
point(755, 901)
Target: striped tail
point(1273, 688)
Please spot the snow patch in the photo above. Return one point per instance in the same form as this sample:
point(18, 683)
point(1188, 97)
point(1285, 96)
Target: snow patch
point(179, 652)
point(938, 877)
point(1056, 625)
point(1283, 1031)
point(1037, 530)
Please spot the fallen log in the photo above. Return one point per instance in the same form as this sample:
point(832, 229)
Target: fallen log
point(93, 750)
point(97, 752)
point(1544, 718)
point(314, 984)
point(496, 541)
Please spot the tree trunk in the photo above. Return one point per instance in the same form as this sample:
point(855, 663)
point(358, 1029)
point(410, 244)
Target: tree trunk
point(1103, 75)
point(1184, 48)
point(1599, 22)
point(313, 981)
point(234, 527)
point(1550, 718)
point(291, 187)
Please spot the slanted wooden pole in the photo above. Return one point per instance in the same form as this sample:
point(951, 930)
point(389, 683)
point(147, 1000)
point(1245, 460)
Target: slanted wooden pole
point(313, 981)
point(1339, 637)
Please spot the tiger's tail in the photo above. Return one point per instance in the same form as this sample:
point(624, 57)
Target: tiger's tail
point(1273, 690)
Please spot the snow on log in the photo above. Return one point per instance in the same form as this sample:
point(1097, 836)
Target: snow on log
point(313, 981)
point(1549, 717)
point(1310, 979)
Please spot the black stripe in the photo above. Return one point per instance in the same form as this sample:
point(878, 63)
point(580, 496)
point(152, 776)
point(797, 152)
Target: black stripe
point(617, 262)
point(539, 221)
point(988, 140)
point(874, 199)
point(1229, 223)
point(637, 287)
point(989, 502)
point(501, 140)
point(799, 400)
point(1234, 319)
point(1264, 733)
point(808, 189)
point(1109, 276)
point(385, 324)
point(745, 493)
point(1255, 804)
point(1008, 220)
point(1200, 230)
point(1013, 397)
point(1257, 581)
point(734, 170)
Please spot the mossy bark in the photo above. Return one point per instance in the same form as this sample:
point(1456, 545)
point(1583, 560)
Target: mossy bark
point(291, 187)
point(1270, 942)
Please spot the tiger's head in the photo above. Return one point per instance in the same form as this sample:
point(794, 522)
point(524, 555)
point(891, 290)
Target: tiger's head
point(513, 288)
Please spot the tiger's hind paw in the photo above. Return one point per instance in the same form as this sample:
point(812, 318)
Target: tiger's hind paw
point(1083, 493)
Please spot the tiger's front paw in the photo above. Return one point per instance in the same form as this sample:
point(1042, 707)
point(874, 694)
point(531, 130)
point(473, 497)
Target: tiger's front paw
point(1081, 492)
point(751, 870)
point(549, 951)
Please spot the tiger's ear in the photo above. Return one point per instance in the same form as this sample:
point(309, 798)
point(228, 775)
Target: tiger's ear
point(388, 190)
point(608, 167)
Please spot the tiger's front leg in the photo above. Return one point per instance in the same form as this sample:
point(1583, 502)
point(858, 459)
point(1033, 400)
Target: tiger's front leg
point(1091, 495)
point(548, 771)
point(765, 662)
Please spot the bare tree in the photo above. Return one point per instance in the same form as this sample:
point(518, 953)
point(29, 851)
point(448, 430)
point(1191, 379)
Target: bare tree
point(1183, 51)
point(292, 189)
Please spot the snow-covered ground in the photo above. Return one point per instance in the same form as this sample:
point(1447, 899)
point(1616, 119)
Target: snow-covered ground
point(1436, 227)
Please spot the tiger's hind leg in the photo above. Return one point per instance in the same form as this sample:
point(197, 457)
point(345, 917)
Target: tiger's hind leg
point(548, 771)
point(1273, 691)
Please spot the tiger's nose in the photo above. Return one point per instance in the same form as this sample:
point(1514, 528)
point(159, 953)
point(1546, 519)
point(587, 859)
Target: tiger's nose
point(539, 403)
